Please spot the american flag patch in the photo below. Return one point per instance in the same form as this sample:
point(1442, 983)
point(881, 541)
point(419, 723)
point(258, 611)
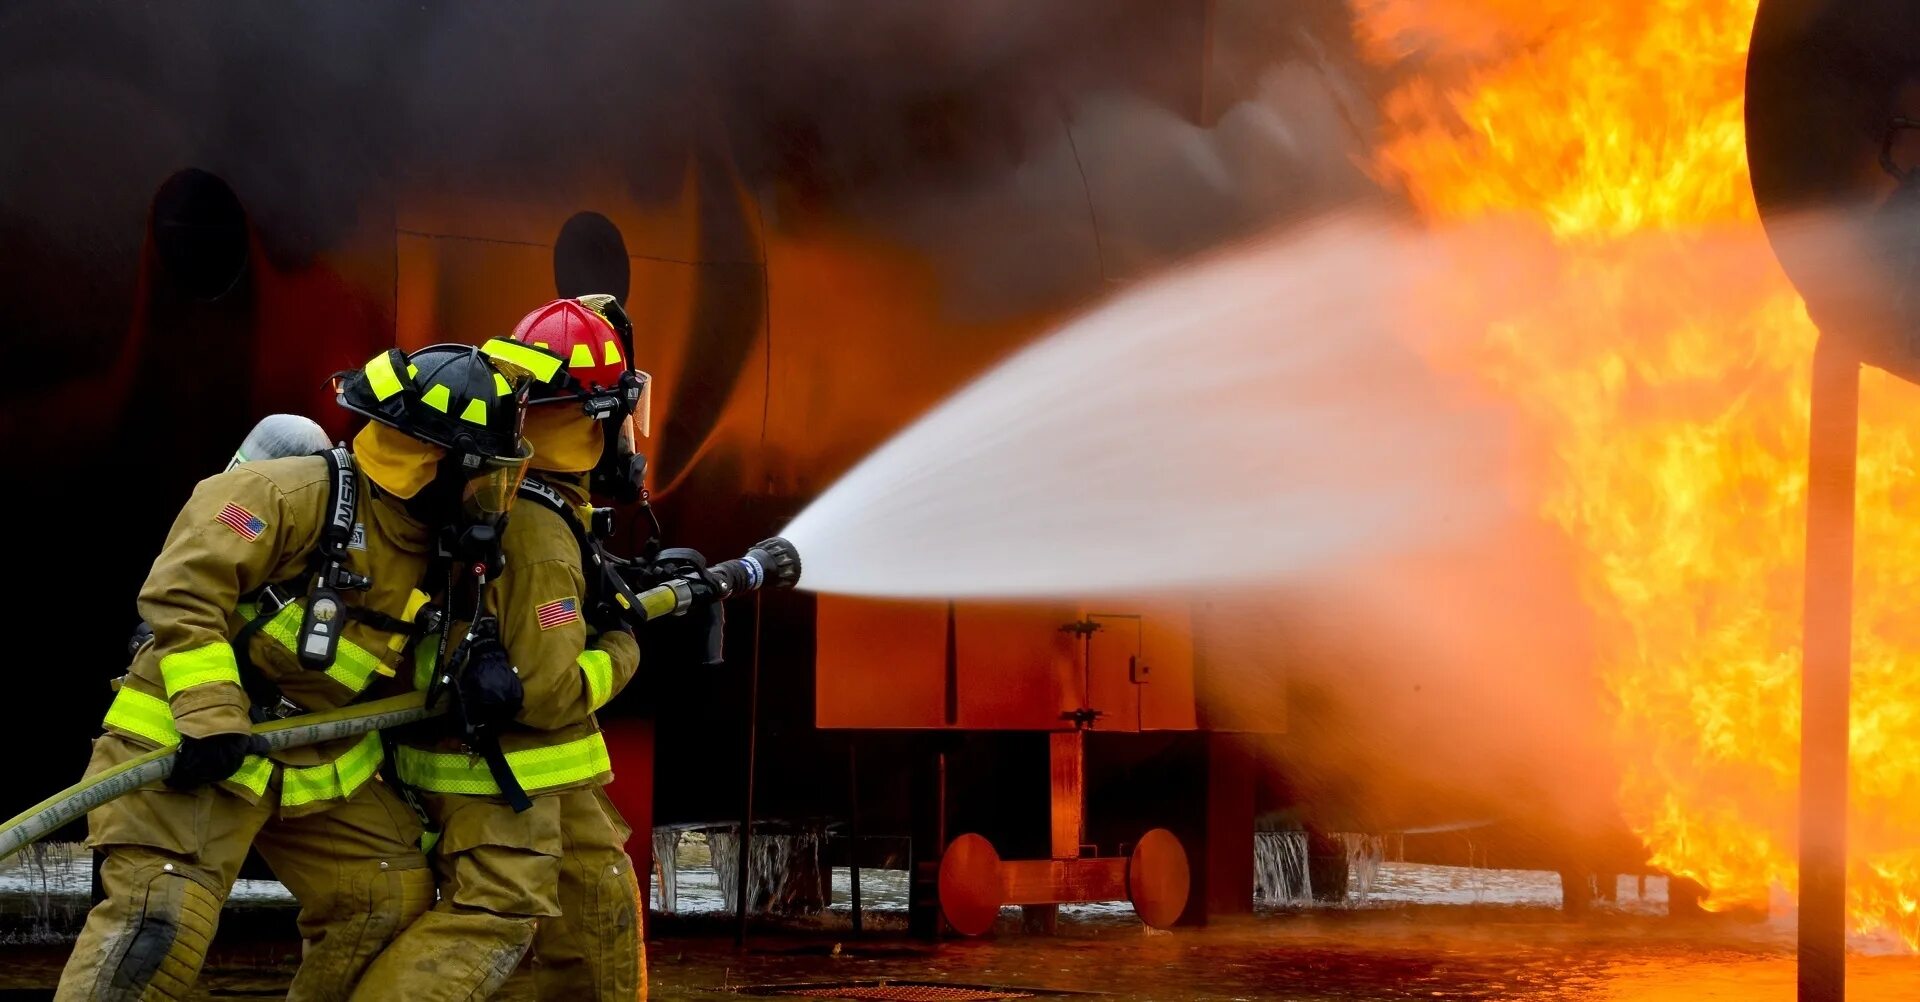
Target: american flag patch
point(558, 612)
point(242, 521)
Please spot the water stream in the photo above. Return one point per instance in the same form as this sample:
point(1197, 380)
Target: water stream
point(1253, 417)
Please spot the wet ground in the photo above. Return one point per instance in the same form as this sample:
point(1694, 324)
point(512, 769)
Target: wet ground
point(1457, 953)
point(1434, 933)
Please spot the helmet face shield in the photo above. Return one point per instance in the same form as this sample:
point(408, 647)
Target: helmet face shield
point(492, 483)
point(641, 420)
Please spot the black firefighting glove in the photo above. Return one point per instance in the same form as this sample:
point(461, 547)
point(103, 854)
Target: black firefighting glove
point(213, 758)
point(487, 691)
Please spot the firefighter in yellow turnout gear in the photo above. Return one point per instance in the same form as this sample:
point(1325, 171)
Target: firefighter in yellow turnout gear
point(554, 877)
point(284, 586)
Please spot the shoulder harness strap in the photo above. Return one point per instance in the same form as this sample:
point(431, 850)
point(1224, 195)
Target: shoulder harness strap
point(605, 585)
point(325, 616)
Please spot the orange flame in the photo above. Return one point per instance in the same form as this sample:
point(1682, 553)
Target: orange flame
point(1673, 397)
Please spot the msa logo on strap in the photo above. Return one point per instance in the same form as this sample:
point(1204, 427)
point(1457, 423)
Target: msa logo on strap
point(344, 490)
point(358, 541)
point(544, 493)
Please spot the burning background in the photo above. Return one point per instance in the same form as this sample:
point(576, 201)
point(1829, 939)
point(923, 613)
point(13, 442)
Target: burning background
point(1666, 386)
point(1628, 641)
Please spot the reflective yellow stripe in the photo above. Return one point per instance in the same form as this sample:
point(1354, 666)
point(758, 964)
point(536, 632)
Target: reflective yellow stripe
point(475, 412)
point(500, 385)
point(336, 780)
point(437, 397)
point(423, 655)
point(353, 665)
point(283, 627)
point(381, 378)
point(535, 768)
point(254, 772)
point(597, 666)
point(612, 352)
point(542, 364)
point(212, 663)
point(582, 357)
point(150, 717)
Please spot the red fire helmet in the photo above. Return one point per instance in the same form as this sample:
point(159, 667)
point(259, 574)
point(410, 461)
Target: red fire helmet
point(584, 338)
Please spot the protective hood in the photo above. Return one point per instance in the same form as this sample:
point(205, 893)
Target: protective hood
point(564, 440)
point(401, 464)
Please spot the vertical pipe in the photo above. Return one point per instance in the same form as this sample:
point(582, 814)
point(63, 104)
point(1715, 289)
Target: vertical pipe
point(1066, 756)
point(950, 696)
point(1826, 671)
point(929, 825)
point(741, 856)
point(853, 824)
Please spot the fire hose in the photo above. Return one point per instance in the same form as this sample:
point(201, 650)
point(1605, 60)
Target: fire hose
point(772, 562)
point(72, 803)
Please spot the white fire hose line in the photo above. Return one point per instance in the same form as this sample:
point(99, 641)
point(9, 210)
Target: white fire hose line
point(73, 803)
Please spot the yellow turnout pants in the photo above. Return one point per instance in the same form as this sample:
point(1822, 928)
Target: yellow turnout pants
point(499, 873)
point(171, 857)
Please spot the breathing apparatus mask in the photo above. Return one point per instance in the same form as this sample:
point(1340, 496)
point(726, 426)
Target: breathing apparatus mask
point(624, 411)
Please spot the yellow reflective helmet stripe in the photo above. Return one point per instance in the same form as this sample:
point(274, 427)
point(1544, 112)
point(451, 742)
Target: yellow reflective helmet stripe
point(500, 385)
point(335, 780)
point(353, 665)
point(150, 717)
point(476, 411)
point(536, 768)
point(437, 397)
point(582, 357)
point(612, 352)
point(211, 663)
point(381, 378)
point(543, 365)
point(597, 666)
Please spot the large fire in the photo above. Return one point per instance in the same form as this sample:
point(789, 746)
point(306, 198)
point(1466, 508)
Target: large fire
point(1673, 393)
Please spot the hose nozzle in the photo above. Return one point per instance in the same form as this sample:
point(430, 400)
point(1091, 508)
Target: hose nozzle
point(770, 563)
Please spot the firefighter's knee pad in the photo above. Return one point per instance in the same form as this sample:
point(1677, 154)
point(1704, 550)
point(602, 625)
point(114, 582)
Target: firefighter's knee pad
point(609, 929)
point(624, 968)
point(170, 925)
